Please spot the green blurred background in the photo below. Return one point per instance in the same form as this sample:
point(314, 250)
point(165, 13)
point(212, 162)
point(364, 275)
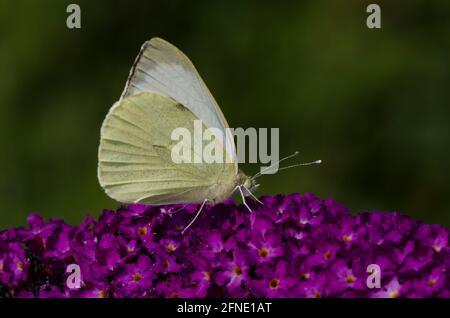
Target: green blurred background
point(374, 105)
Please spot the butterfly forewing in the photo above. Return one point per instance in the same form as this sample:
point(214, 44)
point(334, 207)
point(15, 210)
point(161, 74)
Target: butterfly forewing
point(160, 67)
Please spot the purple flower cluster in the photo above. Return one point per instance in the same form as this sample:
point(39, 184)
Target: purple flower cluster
point(291, 246)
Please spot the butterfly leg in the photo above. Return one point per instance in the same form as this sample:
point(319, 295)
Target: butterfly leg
point(243, 199)
point(253, 196)
point(196, 216)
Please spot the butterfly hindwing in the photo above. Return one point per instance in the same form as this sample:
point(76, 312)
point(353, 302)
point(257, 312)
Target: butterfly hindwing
point(135, 153)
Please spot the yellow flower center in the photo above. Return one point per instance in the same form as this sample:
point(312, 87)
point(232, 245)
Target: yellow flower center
point(395, 294)
point(237, 271)
point(142, 230)
point(101, 293)
point(166, 264)
point(207, 275)
point(326, 255)
point(437, 248)
point(347, 238)
point(431, 282)
point(304, 276)
point(20, 266)
point(350, 279)
point(137, 277)
point(274, 283)
point(171, 247)
point(317, 294)
point(264, 252)
point(175, 295)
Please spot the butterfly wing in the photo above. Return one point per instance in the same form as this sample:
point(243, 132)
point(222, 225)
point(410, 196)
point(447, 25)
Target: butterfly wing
point(162, 68)
point(135, 154)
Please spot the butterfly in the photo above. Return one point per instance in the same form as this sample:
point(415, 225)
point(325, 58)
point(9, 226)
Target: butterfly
point(135, 165)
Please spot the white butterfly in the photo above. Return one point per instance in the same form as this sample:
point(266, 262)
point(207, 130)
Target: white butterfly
point(163, 92)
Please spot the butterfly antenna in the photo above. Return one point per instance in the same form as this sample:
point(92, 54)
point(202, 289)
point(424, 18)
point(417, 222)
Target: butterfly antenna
point(195, 217)
point(273, 164)
point(301, 164)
